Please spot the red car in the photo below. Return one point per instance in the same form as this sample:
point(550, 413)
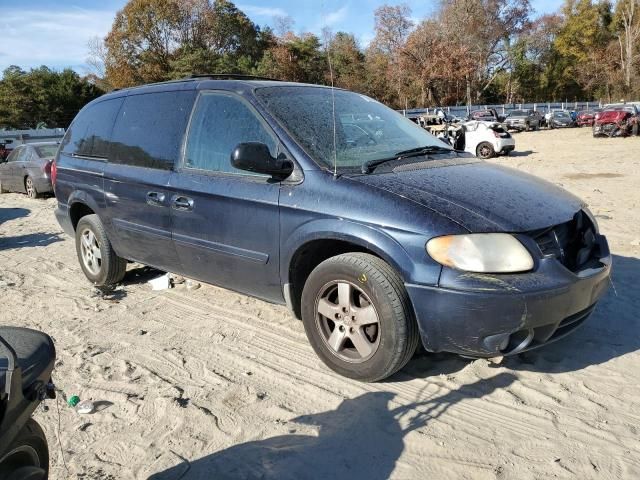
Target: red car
point(587, 117)
point(4, 151)
point(617, 121)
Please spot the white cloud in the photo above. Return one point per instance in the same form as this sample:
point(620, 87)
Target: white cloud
point(336, 17)
point(59, 38)
point(262, 11)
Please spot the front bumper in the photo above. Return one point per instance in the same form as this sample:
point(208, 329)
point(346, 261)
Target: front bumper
point(516, 125)
point(487, 315)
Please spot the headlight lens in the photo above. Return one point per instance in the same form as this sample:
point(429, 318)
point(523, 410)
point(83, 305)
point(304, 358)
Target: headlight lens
point(481, 252)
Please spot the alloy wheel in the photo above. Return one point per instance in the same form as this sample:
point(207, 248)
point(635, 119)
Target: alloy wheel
point(31, 190)
point(347, 321)
point(91, 253)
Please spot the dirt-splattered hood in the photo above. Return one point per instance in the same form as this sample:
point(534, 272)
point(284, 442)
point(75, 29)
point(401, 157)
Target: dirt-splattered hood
point(480, 196)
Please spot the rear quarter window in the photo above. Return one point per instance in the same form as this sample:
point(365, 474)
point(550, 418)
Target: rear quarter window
point(89, 133)
point(150, 128)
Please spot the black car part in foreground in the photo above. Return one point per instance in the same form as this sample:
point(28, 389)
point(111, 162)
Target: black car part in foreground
point(26, 362)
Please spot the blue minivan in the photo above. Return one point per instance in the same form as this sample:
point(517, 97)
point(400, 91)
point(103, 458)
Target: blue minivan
point(373, 232)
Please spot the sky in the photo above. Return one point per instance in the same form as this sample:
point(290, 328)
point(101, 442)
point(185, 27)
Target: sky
point(56, 33)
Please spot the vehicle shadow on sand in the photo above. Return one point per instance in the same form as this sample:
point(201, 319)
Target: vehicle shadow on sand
point(361, 439)
point(29, 240)
point(516, 153)
point(7, 214)
point(140, 274)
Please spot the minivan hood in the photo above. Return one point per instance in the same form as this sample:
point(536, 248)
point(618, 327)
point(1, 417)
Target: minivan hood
point(480, 196)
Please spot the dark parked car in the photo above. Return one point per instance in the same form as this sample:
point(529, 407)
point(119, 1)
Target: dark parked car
point(559, 119)
point(587, 117)
point(28, 169)
point(618, 120)
point(523, 120)
point(377, 237)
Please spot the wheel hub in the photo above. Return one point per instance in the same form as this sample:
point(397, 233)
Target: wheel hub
point(347, 321)
point(90, 252)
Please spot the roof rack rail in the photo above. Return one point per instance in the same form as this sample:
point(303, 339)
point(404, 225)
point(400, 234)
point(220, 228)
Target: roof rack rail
point(231, 76)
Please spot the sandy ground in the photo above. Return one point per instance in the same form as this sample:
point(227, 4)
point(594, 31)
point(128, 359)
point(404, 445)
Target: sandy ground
point(214, 385)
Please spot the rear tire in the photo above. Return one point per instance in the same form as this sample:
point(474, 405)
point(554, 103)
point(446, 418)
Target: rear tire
point(99, 262)
point(28, 455)
point(635, 130)
point(30, 188)
point(367, 301)
point(485, 150)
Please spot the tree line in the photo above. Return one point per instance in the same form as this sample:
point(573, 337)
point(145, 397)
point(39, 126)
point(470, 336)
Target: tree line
point(465, 52)
point(42, 96)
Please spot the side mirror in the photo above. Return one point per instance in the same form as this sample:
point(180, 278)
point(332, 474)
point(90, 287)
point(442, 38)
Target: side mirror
point(256, 157)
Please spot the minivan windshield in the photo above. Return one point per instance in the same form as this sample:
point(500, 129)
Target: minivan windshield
point(365, 130)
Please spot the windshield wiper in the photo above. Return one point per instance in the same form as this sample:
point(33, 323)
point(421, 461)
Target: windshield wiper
point(369, 166)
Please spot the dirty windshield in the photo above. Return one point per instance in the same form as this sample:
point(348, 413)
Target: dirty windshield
point(365, 130)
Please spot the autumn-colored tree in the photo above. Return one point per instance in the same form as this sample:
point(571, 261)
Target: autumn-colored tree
point(627, 31)
point(347, 62)
point(392, 28)
point(438, 65)
point(583, 34)
point(486, 28)
point(295, 58)
point(154, 40)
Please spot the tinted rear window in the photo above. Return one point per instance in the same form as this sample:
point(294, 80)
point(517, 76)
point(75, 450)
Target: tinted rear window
point(89, 133)
point(150, 128)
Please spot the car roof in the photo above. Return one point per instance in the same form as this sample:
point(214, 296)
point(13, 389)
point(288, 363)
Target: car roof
point(236, 83)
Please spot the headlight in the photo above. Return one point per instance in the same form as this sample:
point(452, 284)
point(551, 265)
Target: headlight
point(481, 252)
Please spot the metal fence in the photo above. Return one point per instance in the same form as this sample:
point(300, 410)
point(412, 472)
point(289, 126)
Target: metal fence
point(13, 138)
point(464, 110)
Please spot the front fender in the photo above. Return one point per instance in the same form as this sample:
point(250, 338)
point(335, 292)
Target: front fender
point(404, 251)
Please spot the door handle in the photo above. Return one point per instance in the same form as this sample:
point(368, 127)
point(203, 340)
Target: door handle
point(156, 199)
point(182, 203)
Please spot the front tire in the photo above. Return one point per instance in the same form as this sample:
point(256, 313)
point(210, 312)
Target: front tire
point(28, 455)
point(358, 317)
point(99, 262)
point(485, 151)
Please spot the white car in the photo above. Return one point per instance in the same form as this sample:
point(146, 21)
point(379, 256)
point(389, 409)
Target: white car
point(487, 139)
